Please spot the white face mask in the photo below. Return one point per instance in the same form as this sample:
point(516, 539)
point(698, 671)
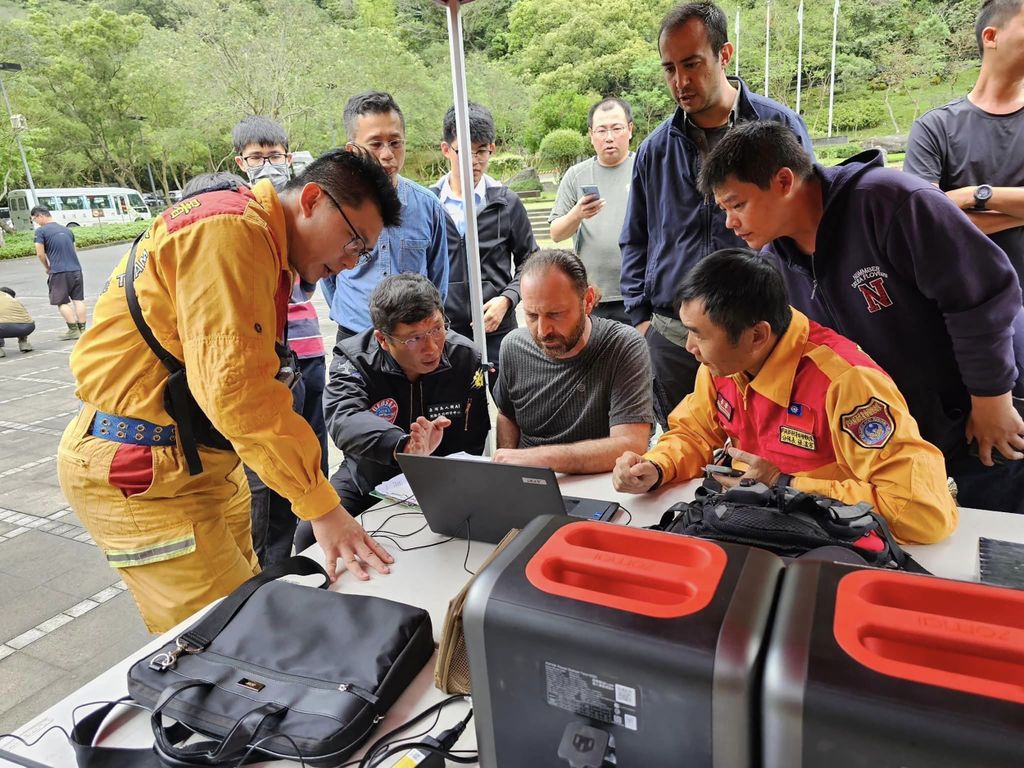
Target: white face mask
point(277, 173)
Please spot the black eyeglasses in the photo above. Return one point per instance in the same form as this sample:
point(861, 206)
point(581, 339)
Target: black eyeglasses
point(257, 161)
point(479, 154)
point(355, 247)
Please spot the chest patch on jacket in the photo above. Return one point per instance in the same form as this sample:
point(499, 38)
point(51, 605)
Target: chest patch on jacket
point(724, 406)
point(870, 281)
point(386, 409)
point(870, 425)
point(451, 410)
point(798, 438)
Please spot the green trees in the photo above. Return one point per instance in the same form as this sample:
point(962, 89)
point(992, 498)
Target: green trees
point(109, 86)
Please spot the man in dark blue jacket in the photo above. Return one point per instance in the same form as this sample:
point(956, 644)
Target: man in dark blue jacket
point(889, 261)
point(669, 224)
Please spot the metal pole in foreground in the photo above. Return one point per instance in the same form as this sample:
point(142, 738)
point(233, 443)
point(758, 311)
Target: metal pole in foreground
point(736, 37)
point(832, 76)
point(799, 54)
point(17, 136)
point(767, 41)
point(461, 101)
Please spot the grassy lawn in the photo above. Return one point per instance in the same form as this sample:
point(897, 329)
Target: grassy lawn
point(20, 244)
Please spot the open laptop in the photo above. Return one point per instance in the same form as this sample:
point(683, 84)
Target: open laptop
point(478, 500)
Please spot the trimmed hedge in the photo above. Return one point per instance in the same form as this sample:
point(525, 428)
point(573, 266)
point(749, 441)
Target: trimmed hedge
point(20, 244)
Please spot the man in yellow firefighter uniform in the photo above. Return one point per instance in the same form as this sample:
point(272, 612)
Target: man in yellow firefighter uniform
point(151, 464)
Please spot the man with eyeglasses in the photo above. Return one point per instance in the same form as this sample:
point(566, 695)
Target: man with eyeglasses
point(407, 385)
point(374, 121)
point(594, 221)
point(152, 463)
point(504, 234)
point(261, 147)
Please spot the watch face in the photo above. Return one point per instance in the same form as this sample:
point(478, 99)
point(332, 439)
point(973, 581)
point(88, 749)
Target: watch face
point(983, 193)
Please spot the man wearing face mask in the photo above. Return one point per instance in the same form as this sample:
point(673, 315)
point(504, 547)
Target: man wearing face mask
point(262, 153)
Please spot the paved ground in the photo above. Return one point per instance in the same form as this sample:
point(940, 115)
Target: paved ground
point(64, 615)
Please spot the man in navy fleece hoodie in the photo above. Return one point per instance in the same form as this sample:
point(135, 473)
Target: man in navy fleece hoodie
point(889, 261)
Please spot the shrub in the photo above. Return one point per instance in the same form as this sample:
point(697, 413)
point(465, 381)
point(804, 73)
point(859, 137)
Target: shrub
point(562, 148)
point(858, 114)
point(506, 165)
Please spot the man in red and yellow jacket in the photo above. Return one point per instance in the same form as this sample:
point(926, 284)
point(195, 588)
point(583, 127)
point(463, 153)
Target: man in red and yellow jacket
point(799, 404)
point(212, 277)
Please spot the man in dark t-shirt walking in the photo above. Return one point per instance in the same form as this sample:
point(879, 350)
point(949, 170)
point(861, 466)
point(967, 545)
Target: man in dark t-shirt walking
point(973, 147)
point(55, 247)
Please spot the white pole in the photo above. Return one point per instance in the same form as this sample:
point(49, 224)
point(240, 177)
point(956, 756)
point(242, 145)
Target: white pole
point(736, 37)
point(799, 54)
point(21, 150)
point(767, 41)
point(461, 101)
point(832, 76)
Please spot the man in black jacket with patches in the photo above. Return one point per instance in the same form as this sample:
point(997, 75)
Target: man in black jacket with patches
point(407, 385)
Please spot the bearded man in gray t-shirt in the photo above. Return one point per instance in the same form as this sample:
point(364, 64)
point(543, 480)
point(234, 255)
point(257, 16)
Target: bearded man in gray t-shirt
point(573, 391)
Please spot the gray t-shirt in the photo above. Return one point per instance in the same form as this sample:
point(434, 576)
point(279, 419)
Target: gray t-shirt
point(959, 145)
point(581, 398)
point(596, 242)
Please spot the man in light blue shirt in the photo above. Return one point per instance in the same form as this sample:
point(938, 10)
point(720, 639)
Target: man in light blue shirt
point(419, 244)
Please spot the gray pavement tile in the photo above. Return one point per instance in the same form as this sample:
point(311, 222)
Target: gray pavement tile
point(21, 676)
point(62, 565)
point(18, 448)
point(31, 607)
point(42, 698)
point(35, 500)
point(96, 640)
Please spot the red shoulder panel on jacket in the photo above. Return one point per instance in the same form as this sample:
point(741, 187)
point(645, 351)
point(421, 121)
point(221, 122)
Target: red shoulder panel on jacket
point(203, 206)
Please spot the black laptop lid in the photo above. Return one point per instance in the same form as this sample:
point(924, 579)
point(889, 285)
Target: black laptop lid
point(479, 500)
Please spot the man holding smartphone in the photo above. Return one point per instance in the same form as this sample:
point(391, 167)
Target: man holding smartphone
point(591, 203)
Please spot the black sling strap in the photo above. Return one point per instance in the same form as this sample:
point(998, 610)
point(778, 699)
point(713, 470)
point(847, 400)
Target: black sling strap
point(177, 384)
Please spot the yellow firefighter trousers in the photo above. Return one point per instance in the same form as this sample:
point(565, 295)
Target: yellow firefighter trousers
point(179, 543)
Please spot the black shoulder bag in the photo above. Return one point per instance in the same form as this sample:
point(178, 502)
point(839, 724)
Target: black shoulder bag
point(275, 671)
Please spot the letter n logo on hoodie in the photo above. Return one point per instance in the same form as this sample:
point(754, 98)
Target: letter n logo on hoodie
point(871, 284)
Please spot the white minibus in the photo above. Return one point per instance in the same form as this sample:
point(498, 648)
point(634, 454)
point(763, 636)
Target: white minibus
point(79, 206)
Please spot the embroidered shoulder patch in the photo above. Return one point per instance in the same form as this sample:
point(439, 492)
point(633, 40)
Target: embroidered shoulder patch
point(386, 409)
point(795, 437)
point(870, 425)
point(724, 407)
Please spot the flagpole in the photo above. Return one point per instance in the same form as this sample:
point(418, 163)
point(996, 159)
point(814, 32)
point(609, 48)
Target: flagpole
point(832, 75)
point(799, 54)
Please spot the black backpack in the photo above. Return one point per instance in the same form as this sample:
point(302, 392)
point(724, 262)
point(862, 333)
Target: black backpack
point(789, 523)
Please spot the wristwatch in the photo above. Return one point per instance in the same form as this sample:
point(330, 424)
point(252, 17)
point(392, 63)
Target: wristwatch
point(982, 194)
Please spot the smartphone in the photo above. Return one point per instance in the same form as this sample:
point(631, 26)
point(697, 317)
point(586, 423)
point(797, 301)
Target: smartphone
point(718, 469)
point(591, 189)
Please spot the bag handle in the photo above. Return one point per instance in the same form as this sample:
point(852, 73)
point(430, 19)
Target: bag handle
point(228, 750)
